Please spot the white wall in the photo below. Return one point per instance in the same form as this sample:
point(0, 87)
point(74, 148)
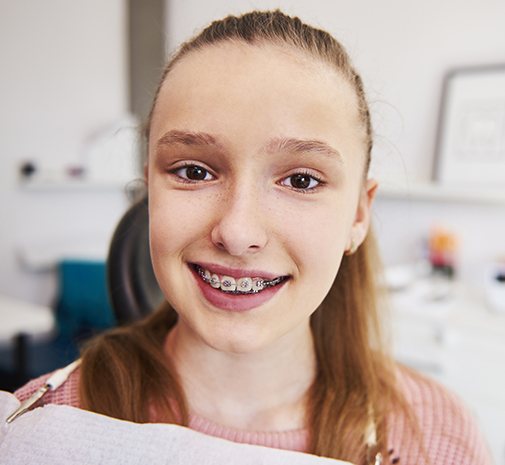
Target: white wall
point(63, 77)
point(403, 50)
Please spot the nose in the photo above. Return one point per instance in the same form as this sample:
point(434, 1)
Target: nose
point(240, 227)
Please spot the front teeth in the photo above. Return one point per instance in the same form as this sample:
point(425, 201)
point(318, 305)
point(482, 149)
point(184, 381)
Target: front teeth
point(243, 285)
point(228, 283)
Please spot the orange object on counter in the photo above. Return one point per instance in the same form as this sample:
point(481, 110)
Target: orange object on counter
point(442, 247)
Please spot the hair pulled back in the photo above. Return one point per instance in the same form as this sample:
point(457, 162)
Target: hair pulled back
point(354, 375)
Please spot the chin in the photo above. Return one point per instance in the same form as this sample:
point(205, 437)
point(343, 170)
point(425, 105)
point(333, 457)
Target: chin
point(238, 341)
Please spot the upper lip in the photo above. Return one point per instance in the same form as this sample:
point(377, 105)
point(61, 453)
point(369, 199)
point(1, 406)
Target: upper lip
point(236, 272)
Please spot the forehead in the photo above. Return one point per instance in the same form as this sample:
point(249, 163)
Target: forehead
point(254, 60)
point(265, 83)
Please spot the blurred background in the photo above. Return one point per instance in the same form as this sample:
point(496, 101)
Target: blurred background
point(77, 81)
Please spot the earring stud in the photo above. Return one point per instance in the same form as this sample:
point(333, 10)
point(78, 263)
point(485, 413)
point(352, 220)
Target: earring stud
point(352, 248)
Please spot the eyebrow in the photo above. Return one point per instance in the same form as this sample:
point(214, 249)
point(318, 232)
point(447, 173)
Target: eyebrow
point(276, 145)
point(188, 138)
point(302, 146)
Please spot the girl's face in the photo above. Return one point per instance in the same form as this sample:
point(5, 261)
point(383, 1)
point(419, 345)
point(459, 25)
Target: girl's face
point(255, 178)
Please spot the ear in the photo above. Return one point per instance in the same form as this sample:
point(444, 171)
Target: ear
point(361, 224)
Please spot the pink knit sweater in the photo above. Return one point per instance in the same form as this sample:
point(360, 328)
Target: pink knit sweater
point(449, 432)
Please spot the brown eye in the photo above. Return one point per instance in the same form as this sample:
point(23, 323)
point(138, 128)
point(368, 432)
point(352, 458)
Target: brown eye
point(301, 181)
point(193, 173)
point(196, 173)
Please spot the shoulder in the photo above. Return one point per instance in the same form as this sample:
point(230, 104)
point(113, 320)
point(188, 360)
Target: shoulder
point(66, 394)
point(447, 430)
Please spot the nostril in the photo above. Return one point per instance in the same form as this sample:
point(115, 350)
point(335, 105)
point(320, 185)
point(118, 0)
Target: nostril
point(220, 245)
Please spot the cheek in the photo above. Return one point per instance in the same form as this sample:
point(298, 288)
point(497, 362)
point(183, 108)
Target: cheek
point(174, 221)
point(317, 242)
point(324, 253)
point(320, 232)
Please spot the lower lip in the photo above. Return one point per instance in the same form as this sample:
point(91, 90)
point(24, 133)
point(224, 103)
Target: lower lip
point(235, 302)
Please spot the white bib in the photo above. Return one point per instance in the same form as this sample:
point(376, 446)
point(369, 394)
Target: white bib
point(62, 435)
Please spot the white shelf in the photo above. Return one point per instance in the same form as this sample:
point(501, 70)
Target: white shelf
point(74, 185)
point(435, 192)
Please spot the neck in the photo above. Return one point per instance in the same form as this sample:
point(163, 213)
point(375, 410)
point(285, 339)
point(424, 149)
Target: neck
point(265, 390)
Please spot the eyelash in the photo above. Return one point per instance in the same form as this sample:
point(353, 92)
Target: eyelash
point(309, 190)
point(185, 167)
point(308, 174)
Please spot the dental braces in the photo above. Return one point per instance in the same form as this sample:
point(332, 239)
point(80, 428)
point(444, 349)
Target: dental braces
point(261, 284)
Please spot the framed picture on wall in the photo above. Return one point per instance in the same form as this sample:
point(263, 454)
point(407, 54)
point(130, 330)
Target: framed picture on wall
point(471, 135)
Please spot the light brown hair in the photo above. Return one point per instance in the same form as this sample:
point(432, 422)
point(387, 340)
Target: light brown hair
point(354, 373)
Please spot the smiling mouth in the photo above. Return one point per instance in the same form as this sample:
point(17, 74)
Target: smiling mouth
point(237, 286)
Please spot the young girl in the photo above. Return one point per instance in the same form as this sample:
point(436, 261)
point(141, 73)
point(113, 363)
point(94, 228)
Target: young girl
point(259, 144)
